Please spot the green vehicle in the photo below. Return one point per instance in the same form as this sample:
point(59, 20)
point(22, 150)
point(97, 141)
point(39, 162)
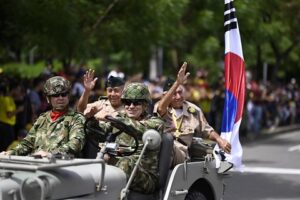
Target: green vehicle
point(63, 177)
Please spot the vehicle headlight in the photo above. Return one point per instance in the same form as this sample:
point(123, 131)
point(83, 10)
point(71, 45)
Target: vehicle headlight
point(35, 188)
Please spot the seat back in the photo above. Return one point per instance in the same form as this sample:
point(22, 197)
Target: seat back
point(165, 158)
point(164, 169)
point(200, 148)
point(90, 149)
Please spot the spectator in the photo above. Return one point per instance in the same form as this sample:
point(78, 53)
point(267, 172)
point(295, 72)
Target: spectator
point(116, 72)
point(20, 136)
point(255, 110)
point(24, 116)
point(35, 98)
point(8, 114)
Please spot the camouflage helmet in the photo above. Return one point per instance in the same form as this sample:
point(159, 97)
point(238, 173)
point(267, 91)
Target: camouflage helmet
point(138, 91)
point(56, 85)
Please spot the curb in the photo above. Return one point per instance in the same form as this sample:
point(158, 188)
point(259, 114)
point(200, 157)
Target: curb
point(266, 133)
point(280, 129)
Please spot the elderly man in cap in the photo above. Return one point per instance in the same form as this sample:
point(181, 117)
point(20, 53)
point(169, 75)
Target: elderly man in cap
point(183, 119)
point(58, 131)
point(110, 106)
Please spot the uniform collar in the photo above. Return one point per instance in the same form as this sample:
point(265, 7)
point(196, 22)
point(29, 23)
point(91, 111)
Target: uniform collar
point(107, 103)
point(184, 108)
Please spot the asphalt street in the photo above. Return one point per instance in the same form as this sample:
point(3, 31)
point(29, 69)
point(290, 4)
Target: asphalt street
point(271, 170)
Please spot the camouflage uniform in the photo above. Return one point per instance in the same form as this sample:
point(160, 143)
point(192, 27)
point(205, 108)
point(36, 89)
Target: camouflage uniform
point(146, 178)
point(64, 135)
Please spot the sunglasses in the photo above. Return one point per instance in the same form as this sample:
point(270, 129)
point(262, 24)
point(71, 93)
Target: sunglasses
point(135, 102)
point(60, 94)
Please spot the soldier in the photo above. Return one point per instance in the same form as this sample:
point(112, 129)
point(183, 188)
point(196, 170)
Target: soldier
point(110, 106)
point(136, 99)
point(57, 131)
point(183, 119)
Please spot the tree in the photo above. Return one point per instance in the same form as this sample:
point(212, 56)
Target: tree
point(124, 32)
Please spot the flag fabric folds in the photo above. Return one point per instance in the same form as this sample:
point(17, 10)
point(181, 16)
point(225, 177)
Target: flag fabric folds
point(234, 69)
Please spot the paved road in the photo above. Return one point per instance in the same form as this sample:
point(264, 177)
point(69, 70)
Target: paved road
point(271, 172)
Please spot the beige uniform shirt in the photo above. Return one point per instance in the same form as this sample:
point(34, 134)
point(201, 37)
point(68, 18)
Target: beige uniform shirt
point(104, 108)
point(191, 122)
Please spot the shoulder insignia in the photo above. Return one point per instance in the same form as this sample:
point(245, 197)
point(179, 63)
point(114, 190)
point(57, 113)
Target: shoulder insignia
point(191, 110)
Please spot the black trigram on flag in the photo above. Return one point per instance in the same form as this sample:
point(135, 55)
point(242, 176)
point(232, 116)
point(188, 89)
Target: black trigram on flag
point(230, 21)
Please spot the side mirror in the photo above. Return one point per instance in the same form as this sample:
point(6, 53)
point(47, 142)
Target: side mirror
point(153, 138)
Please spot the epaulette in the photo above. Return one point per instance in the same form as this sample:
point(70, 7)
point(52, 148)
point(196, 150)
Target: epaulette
point(44, 114)
point(72, 111)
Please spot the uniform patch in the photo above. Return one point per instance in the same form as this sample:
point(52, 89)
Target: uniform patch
point(192, 110)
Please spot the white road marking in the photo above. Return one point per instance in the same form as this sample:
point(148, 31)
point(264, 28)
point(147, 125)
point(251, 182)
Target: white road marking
point(269, 170)
point(280, 198)
point(294, 148)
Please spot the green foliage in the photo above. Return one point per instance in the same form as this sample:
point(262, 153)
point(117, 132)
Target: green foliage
point(23, 70)
point(94, 64)
point(27, 71)
point(203, 57)
point(123, 32)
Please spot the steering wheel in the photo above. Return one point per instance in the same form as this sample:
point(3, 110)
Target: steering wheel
point(129, 130)
point(94, 133)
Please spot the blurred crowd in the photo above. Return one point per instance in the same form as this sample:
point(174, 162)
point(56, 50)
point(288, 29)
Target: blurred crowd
point(267, 105)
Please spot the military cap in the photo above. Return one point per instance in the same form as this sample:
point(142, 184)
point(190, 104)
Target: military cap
point(113, 81)
point(136, 91)
point(56, 85)
point(168, 84)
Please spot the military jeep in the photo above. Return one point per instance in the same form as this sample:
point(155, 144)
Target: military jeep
point(63, 177)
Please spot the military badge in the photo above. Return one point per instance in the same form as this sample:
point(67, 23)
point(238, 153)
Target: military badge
point(191, 110)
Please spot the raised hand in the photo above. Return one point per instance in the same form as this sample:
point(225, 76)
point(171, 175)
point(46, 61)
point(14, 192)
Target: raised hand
point(91, 111)
point(182, 74)
point(100, 116)
point(88, 80)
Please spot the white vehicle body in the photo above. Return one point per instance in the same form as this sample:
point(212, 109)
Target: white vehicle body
point(28, 178)
point(51, 178)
